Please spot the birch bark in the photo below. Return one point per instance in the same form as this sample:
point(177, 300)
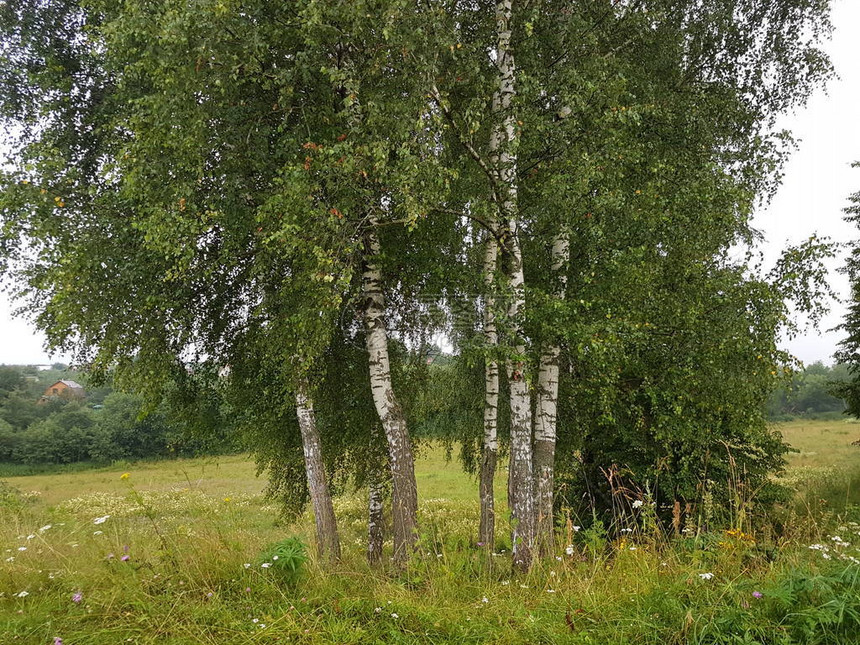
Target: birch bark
point(546, 411)
point(487, 529)
point(404, 497)
point(328, 544)
point(375, 524)
point(520, 486)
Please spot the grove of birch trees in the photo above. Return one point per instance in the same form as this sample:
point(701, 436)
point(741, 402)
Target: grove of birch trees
point(286, 202)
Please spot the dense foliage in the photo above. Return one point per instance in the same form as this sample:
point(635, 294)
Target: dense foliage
point(240, 185)
point(104, 427)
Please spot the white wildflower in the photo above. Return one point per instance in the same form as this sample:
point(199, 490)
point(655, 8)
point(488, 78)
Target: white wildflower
point(45, 528)
point(247, 565)
point(31, 536)
point(706, 576)
point(485, 600)
point(274, 557)
point(266, 565)
point(22, 594)
point(394, 615)
point(568, 549)
point(637, 504)
point(101, 520)
point(22, 548)
point(98, 532)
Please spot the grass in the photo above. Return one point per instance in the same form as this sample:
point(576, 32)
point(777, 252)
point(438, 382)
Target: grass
point(188, 528)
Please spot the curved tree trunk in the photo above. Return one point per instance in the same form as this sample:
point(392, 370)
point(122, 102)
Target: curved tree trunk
point(546, 412)
point(328, 545)
point(404, 496)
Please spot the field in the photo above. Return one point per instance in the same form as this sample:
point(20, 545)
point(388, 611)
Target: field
point(173, 553)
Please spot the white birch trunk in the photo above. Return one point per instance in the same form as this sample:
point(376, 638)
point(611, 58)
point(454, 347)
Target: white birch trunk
point(546, 410)
point(404, 497)
point(487, 530)
point(328, 545)
point(520, 486)
point(375, 524)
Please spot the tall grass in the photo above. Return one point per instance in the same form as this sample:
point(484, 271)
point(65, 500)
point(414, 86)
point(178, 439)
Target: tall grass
point(137, 560)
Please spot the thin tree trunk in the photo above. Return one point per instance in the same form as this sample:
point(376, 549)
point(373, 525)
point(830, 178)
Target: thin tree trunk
point(487, 530)
point(328, 544)
point(521, 469)
point(520, 485)
point(546, 411)
point(375, 524)
point(404, 497)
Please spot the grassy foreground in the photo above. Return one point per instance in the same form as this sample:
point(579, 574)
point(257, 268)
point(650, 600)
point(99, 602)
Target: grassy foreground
point(174, 552)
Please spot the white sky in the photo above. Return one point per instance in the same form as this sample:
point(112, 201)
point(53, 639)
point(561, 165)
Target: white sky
point(818, 180)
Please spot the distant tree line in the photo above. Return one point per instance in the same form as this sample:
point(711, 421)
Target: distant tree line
point(106, 426)
point(813, 392)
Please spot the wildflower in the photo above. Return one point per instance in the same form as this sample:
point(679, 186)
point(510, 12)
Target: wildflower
point(44, 528)
point(568, 549)
point(274, 557)
point(77, 597)
point(558, 558)
point(58, 640)
point(480, 544)
point(110, 556)
point(394, 615)
point(626, 530)
point(506, 582)
point(210, 594)
point(101, 520)
point(266, 565)
point(550, 590)
point(706, 576)
point(22, 594)
point(485, 600)
point(11, 558)
point(637, 504)
point(98, 532)
point(577, 529)
point(757, 594)
point(378, 610)
point(248, 589)
point(125, 558)
point(226, 499)
point(125, 476)
point(31, 536)
point(22, 548)
point(247, 565)
point(255, 620)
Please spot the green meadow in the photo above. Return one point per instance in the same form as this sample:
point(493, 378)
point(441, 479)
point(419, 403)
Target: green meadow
point(174, 553)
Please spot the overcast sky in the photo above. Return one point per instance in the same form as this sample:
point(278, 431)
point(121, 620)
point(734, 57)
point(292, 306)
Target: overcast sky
point(818, 180)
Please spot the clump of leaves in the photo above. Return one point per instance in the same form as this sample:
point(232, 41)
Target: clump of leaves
point(286, 558)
